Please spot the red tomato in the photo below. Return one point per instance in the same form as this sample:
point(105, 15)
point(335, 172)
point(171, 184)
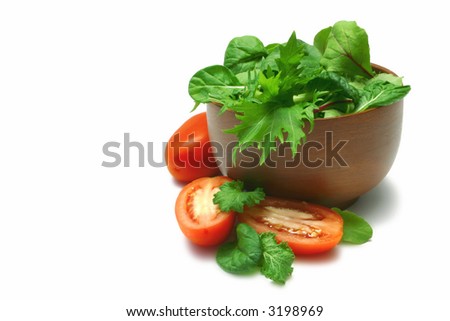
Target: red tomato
point(199, 218)
point(307, 228)
point(188, 152)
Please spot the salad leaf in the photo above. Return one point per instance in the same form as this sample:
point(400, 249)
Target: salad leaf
point(244, 53)
point(271, 112)
point(232, 197)
point(242, 256)
point(262, 124)
point(213, 83)
point(356, 229)
point(321, 39)
point(252, 251)
point(275, 90)
point(277, 258)
point(395, 80)
point(330, 113)
point(380, 93)
point(345, 50)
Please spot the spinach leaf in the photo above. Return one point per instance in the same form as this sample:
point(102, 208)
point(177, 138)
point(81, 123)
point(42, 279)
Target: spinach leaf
point(335, 83)
point(345, 50)
point(395, 80)
point(356, 229)
point(244, 54)
point(271, 47)
point(321, 39)
point(380, 93)
point(213, 82)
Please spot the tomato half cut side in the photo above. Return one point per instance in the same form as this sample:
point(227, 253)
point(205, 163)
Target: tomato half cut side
point(189, 154)
point(307, 228)
point(200, 220)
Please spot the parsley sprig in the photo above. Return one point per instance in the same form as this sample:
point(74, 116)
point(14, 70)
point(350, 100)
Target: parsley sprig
point(252, 251)
point(233, 197)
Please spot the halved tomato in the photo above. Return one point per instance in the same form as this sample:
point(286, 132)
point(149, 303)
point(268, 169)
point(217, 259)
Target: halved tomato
point(201, 221)
point(189, 153)
point(307, 228)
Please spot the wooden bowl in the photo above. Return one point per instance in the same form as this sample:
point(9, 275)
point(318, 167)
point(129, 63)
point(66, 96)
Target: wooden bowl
point(343, 157)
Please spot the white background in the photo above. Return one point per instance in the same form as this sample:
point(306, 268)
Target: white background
point(79, 241)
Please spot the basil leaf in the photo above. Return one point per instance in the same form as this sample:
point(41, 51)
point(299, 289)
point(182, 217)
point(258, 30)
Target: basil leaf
point(244, 53)
point(345, 50)
point(213, 83)
point(356, 229)
point(243, 256)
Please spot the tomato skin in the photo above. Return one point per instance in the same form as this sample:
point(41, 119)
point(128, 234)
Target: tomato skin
point(212, 226)
point(188, 153)
point(327, 224)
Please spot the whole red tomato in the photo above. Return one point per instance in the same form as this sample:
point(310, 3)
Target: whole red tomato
point(188, 152)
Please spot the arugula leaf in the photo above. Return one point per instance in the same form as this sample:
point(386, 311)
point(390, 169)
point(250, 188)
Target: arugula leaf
point(277, 258)
point(263, 124)
point(356, 229)
point(243, 256)
point(244, 54)
point(213, 82)
point(232, 197)
point(345, 50)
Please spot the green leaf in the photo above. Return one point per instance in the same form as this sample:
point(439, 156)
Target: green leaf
point(321, 39)
point(242, 256)
point(275, 90)
point(336, 84)
point(380, 93)
point(252, 251)
point(345, 50)
point(244, 54)
point(213, 82)
point(232, 197)
point(289, 121)
point(277, 259)
point(271, 47)
point(356, 229)
point(263, 125)
point(383, 77)
point(330, 113)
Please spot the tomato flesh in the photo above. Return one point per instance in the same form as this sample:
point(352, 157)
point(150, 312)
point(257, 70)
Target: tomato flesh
point(200, 220)
point(188, 152)
point(307, 228)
